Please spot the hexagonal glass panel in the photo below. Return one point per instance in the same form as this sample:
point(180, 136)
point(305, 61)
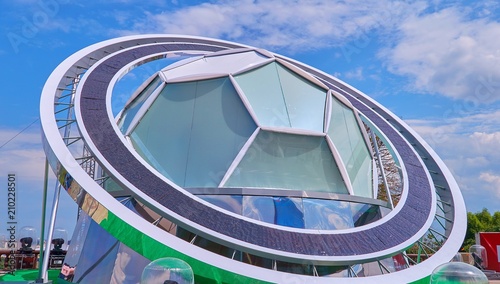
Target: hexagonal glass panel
point(193, 131)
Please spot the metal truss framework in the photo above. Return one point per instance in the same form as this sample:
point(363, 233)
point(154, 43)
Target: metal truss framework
point(81, 152)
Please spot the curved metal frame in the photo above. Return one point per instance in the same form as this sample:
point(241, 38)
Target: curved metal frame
point(394, 233)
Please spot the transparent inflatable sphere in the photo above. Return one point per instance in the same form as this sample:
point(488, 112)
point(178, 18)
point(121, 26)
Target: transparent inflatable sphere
point(457, 258)
point(59, 240)
point(457, 272)
point(27, 239)
point(478, 256)
point(167, 271)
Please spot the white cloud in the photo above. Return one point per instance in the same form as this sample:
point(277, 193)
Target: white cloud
point(355, 74)
point(279, 24)
point(25, 157)
point(493, 180)
point(472, 156)
point(442, 52)
point(23, 154)
point(447, 53)
point(487, 139)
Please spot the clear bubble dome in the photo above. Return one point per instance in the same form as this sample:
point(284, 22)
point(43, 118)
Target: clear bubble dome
point(458, 272)
point(167, 271)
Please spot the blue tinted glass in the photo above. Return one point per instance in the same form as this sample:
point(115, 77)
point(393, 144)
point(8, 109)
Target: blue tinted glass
point(259, 208)
point(327, 214)
point(288, 212)
point(305, 102)
point(266, 97)
point(99, 247)
point(229, 202)
point(365, 214)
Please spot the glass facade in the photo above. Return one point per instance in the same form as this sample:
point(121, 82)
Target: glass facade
point(346, 134)
point(283, 98)
point(267, 126)
point(288, 161)
point(193, 131)
point(131, 110)
point(304, 213)
point(105, 259)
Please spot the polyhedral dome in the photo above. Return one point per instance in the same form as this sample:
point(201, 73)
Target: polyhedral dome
point(249, 166)
point(245, 119)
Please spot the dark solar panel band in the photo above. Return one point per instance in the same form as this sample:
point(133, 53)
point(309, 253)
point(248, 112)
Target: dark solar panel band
point(404, 225)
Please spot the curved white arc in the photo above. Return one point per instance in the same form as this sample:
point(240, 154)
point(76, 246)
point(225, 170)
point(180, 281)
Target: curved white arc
point(230, 51)
point(142, 110)
point(303, 74)
point(247, 246)
point(328, 111)
point(160, 209)
point(52, 135)
point(239, 157)
point(136, 93)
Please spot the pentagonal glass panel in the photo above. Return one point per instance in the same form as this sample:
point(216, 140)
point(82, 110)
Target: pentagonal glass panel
point(282, 98)
point(327, 214)
point(131, 110)
point(193, 131)
point(305, 101)
point(263, 90)
point(288, 161)
point(346, 134)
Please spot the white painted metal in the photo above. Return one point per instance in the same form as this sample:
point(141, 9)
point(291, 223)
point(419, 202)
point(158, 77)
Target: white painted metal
point(56, 144)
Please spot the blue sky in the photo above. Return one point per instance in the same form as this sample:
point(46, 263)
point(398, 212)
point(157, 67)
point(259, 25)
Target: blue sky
point(433, 63)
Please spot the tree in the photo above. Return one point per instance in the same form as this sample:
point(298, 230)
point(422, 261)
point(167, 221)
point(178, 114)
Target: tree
point(391, 170)
point(477, 222)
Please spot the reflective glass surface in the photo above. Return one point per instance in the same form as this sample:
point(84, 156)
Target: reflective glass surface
point(259, 208)
point(288, 212)
point(349, 141)
point(229, 202)
point(365, 213)
point(305, 101)
point(308, 213)
point(193, 131)
point(327, 214)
